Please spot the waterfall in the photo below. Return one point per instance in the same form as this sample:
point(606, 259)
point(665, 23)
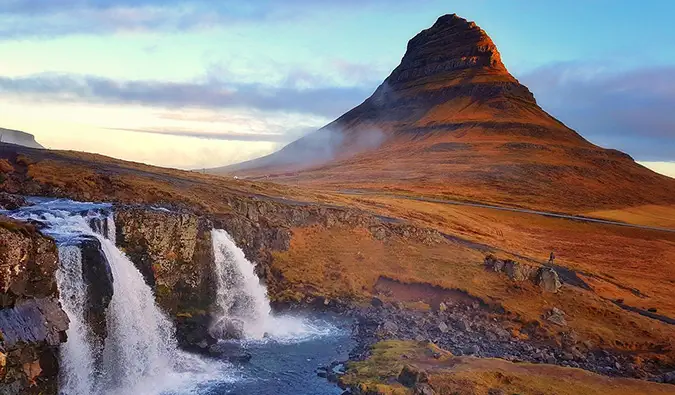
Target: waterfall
point(140, 354)
point(242, 307)
point(77, 360)
point(140, 342)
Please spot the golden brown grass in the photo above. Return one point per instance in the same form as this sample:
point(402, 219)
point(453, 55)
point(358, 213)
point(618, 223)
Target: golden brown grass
point(477, 376)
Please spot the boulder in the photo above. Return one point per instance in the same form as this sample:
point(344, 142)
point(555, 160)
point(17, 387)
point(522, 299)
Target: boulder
point(410, 376)
point(556, 316)
point(519, 272)
point(548, 280)
point(9, 201)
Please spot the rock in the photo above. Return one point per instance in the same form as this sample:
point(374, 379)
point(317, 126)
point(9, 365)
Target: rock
point(463, 325)
point(423, 389)
point(376, 302)
point(556, 316)
point(410, 376)
point(227, 328)
point(390, 327)
point(32, 323)
point(442, 307)
point(97, 275)
point(517, 271)
point(443, 327)
point(472, 350)
point(548, 280)
point(11, 202)
point(496, 391)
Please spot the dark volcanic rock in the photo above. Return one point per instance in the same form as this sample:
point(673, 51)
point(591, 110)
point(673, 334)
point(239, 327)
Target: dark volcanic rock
point(32, 323)
point(97, 275)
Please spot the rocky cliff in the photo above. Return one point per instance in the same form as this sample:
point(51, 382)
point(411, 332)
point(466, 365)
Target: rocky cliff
point(32, 324)
point(17, 137)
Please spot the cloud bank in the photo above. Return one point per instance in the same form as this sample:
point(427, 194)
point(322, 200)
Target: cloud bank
point(631, 110)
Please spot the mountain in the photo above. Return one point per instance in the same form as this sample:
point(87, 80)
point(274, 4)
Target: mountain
point(19, 138)
point(451, 121)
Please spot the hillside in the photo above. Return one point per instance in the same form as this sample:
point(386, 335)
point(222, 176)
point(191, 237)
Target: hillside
point(451, 121)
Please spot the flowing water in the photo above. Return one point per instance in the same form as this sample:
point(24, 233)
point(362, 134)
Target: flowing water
point(140, 355)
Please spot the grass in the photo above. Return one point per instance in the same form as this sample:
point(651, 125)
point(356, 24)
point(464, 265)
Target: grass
point(449, 374)
point(344, 262)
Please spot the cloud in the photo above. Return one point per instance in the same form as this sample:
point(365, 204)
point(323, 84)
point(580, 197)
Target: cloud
point(631, 110)
point(48, 18)
point(227, 136)
point(326, 101)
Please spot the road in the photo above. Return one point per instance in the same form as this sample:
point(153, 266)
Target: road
point(512, 209)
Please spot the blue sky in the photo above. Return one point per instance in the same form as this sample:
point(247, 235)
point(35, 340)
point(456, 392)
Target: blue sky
point(197, 83)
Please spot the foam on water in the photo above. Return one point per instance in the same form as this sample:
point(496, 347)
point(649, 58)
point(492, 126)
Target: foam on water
point(242, 300)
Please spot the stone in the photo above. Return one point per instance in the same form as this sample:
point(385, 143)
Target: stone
point(548, 280)
point(442, 307)
point(517, 271)
point(423, 389)
point(556, 316)
point(390, 327)
point(463, 325)
point(410, 376)
point(443, 327)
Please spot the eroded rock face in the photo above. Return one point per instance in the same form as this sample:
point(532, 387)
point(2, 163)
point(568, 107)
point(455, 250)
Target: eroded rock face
point(173, 251)
point(97, 275)
point(32, 322)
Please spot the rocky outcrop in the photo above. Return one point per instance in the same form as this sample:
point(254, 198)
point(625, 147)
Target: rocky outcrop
point(545, 277)
point(32, 323)
point(97, 274)
point(9, 201)
point(173, 251)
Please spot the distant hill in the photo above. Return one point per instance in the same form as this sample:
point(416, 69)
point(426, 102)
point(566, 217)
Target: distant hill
point(19, 138)
point(451, 121)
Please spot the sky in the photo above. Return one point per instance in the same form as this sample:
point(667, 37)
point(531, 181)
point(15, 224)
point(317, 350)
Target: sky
point(201, 83)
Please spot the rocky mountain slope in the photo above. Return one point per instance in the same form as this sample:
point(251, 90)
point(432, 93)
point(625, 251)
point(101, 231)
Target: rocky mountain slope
point(451, 121)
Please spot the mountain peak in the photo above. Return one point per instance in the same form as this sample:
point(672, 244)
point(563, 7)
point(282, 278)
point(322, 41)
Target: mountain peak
point(451, 44)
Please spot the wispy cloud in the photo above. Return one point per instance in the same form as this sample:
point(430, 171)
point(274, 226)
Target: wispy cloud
point(29, 18)
point(226, 135)
point(327, 101)
point(631, 110)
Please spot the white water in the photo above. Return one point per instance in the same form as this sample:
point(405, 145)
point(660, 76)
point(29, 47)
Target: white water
point(242, 300)
point(140, 354)
point(77, 361)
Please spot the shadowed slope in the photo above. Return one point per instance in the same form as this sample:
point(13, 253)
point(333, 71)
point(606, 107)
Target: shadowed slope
point(451, 121)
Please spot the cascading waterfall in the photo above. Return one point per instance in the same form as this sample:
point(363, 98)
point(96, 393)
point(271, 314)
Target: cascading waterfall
point(243, 309)
point(77, 361)
point(140, 354)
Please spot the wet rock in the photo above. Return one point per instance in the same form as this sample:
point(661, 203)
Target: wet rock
point(410, 376)
point(10, 202)
point(97, 275)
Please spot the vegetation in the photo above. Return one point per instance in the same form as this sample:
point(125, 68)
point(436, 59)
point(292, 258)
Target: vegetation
point(449, 374)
